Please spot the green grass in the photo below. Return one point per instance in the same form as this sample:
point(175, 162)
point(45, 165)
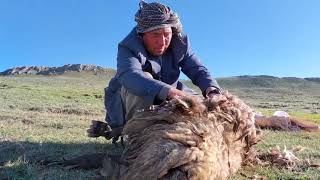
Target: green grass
point(45, 118)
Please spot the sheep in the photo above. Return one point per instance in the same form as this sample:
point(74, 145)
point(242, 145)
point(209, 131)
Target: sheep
point(186, 138)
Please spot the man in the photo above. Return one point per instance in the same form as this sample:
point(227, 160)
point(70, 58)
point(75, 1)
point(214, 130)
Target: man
point(148, 65)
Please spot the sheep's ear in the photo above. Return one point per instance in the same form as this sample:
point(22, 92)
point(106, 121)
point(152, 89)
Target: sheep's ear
point(182, 104)
point(179, 105)
point(188, 105)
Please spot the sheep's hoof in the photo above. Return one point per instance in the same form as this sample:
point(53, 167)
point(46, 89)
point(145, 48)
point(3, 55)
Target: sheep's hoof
point(99, 128)
point(115, 139)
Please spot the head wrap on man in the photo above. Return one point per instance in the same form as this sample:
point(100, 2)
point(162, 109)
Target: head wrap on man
point(155, 15)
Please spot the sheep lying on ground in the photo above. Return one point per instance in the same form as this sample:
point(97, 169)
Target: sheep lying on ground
point(186, 138)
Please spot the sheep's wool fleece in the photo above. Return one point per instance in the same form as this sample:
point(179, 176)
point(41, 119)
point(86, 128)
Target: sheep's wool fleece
point(186, 138)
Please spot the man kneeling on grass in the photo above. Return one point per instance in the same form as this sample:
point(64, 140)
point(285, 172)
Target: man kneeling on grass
point(148, 66)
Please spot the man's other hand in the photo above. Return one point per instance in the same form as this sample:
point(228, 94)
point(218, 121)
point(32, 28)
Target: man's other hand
point(211, 92)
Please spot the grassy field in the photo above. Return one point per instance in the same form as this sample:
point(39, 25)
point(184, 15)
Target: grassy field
point(45, 118)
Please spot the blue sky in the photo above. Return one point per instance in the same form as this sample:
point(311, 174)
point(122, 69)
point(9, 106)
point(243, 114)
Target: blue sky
point(231, 37)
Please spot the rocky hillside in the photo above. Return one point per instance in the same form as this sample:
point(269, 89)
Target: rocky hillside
point(42, 70)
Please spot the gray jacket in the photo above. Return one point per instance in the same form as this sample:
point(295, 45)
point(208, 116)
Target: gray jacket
point(133, 60)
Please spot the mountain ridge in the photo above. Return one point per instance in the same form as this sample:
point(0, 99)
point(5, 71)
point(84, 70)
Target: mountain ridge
point(258, 80)
point(60, 70)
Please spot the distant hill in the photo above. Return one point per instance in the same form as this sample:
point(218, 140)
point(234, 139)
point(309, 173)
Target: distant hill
point(268, 81)
point(43, 70)
point(264, 81)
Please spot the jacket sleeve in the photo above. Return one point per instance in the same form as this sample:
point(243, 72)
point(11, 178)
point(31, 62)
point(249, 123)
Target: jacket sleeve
point(192, 67)
point(133, 78)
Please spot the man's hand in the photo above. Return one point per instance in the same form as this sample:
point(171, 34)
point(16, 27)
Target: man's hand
point(211, 92)
point(173, 92)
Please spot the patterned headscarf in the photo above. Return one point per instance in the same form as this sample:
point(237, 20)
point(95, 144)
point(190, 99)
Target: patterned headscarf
point(155, 15)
